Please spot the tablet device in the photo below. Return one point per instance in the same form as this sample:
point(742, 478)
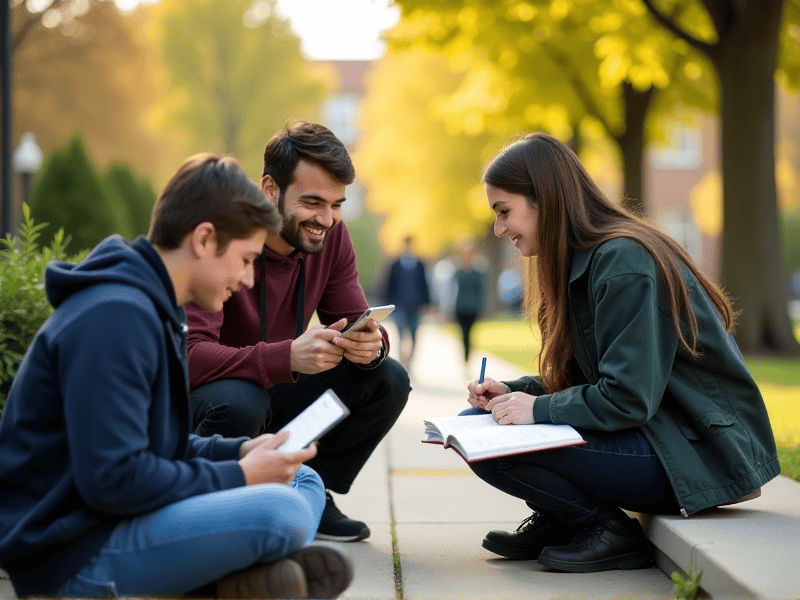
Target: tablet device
point(319, 418)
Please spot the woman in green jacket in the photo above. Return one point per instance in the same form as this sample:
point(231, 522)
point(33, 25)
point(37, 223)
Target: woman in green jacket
point(636, 354)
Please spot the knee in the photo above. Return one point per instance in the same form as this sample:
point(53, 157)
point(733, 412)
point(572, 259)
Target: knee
point(397, 382)
point(309, 484)
point(231, 407)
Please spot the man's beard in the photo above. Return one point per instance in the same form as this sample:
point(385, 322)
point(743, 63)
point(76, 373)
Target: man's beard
point(293, 235)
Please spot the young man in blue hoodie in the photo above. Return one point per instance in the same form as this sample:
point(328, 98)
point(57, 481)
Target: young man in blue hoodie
point(105, 491)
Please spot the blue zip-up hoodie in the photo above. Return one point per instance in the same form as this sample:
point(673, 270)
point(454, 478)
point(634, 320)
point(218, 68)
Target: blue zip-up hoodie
point(96, 426)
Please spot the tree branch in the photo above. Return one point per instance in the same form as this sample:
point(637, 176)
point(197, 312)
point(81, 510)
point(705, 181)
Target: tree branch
point(709, 50)
point(30, 23)
point(578, 84)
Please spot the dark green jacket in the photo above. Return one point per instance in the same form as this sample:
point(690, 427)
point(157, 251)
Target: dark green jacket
point(705, 417)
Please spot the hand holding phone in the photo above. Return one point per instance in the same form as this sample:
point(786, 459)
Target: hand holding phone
point(377, 312)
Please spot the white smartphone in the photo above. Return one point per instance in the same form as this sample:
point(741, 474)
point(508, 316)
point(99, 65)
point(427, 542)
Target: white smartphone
point(375, 312)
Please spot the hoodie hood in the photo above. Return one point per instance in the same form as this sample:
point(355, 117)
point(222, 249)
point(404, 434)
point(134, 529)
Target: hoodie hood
point(116, 261)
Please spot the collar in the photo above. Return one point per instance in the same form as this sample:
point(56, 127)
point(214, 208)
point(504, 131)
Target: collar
point(580, 262)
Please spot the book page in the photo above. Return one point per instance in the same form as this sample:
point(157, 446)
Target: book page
point(447, 426)
point(509, 438)
point(323, 414)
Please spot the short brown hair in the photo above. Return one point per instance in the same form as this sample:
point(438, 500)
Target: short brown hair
point(214, 189)
point(308, 141)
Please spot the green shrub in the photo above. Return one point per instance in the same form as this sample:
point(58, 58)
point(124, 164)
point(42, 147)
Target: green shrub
point(134, 194)
point(70, 194)
point(23, 304)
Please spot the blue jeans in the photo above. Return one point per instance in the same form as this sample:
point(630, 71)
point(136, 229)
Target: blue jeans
point(575, 484)
point(196, 541)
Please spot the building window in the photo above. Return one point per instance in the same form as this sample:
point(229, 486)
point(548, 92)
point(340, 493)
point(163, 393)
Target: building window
point(680, 226)
point(341, 114)
point(685, 151)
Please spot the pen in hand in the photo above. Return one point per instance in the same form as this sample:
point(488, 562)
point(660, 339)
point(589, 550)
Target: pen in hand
point(483, 370)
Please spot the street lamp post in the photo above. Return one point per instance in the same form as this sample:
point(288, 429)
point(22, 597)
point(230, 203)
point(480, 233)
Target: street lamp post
point(5, 108)
point(26, 160)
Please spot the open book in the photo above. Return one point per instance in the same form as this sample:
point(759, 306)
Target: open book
point(314, 422)
point(478, 437)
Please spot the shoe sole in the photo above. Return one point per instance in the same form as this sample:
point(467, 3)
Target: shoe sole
point(328, 569)
point(362, 535)
point(512, 553)
point(283, 579)
point(634, 560)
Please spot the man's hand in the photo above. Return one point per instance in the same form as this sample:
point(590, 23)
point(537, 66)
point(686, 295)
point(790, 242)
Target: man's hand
point(313, 351)
point(262, 463)
point(515, 408)
point(481, 393)
point(361, 347)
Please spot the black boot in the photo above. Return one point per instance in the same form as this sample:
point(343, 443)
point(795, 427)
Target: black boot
point(612, 541)
point(533, 534)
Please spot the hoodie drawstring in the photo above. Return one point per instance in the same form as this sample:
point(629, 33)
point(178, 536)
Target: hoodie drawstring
point(300, 316)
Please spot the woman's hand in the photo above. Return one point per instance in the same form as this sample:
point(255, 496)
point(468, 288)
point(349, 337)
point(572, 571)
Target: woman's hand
point(262, 463)
point(515, 408)
point(481, 393)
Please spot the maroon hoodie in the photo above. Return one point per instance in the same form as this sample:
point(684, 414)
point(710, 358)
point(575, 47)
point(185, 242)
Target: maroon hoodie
point(228, 344)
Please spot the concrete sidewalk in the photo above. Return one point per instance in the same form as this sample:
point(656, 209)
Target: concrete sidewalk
point(426, 509)
point(440, 511)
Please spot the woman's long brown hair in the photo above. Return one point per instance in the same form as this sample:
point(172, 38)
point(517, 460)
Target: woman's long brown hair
point(574, 215)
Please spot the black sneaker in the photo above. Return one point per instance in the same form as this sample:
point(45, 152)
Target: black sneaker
point(336, 527)
point(614, 543)
point(533, 534)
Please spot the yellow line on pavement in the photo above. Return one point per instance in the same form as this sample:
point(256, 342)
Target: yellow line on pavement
point(430, 472)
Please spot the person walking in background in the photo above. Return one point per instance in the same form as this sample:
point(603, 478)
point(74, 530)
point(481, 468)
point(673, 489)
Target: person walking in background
point(407, 288)
point(637, 355)
point(254, 365)
point(105, 490)
point(470, 282)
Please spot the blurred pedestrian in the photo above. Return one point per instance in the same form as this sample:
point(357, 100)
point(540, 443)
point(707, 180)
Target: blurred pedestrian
point(407, 288)
point(470, 284)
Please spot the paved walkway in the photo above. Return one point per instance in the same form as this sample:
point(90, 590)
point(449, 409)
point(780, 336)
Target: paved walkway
point(439, 511)
point(426, 499)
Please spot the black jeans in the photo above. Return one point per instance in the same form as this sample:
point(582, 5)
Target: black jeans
point(375, 397)
point(575, 484)
point(466, 321)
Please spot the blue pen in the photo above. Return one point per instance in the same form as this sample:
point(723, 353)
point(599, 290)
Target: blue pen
point(483, 370)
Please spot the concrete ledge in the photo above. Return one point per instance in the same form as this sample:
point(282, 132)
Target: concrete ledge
point(748, 550)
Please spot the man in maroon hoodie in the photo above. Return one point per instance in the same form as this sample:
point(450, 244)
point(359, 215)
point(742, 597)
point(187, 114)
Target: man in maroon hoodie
point(254, 366)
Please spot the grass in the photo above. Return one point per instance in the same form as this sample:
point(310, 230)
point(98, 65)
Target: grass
point(778, 379)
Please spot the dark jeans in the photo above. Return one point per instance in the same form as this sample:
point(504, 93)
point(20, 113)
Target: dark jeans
point(575, 484)
point(375, 397)
point(466, 321)
point(407, 319)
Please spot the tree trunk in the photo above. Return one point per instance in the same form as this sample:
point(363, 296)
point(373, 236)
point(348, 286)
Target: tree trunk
point(752, 265)
point(631, 144)
point(494, 252)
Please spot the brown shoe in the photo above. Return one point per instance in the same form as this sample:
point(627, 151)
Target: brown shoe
point(327, 567)
point(282, 579)
point(320, 570)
